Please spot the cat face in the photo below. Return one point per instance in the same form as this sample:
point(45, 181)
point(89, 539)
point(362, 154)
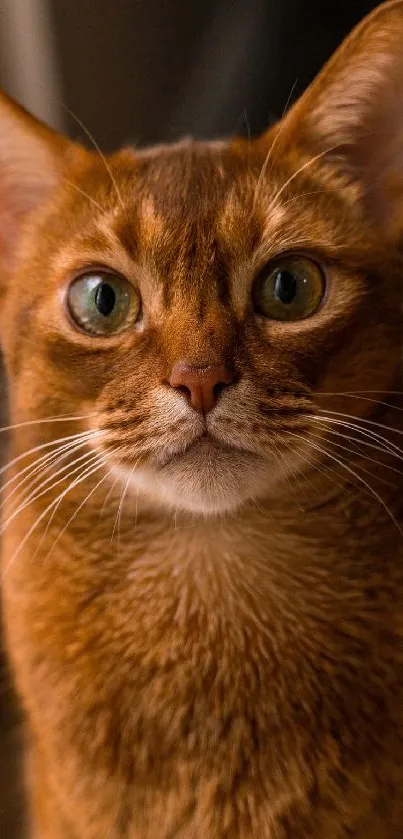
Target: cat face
point(196, 304)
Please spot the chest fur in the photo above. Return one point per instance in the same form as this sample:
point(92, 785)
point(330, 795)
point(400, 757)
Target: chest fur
point(259, 675)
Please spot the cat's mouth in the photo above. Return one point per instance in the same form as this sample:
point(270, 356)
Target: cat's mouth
point(209, 475)
point(205, 447)
point(203, 475)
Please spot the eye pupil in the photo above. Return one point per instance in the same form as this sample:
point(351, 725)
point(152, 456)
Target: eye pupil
point(285, 287)
point(289, 288)
point(103, 303)
point(105, 299)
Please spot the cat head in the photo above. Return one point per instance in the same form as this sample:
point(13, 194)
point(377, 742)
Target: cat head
point(198, 303)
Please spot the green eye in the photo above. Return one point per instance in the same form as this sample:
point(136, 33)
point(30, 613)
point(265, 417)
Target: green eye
point(289, 289)
point(103, 303)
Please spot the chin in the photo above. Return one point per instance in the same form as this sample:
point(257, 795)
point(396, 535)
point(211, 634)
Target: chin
point(206, 480)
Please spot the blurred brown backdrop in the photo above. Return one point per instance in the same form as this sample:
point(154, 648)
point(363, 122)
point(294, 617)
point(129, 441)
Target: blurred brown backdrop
point(146, 71)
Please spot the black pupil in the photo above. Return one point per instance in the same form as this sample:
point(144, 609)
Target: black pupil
point(285, 287)
point(105, 299)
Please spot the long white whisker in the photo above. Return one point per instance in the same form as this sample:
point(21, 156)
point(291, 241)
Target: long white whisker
point(361, 442)
point(361, 419)
point(292, 177)
point(366, 398)
point(101, 155)
point(349, 450)
point(355, 475)
point(73, 516)
point(272, 147)
point(41, 467)
point(122, 498)
point(108, 495)
point(122, 494)
point(280, 458)
point(34, 496)
point(60, 418)
point(327, 471)
point(84, 194)
point(49, 444)
point(357, 392)
point(40, 518)
point(65, 468)
point(55, 509)
point(305, 195)
point(368, 433)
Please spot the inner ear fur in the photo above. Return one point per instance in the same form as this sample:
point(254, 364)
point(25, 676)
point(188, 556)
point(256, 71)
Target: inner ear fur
point(351, 116)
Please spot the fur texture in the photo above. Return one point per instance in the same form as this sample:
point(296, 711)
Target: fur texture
point(204, 613)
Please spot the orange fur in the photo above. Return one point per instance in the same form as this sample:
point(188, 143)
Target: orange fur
point(206, 627)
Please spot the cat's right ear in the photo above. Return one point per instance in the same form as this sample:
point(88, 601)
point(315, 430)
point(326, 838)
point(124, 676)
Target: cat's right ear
point(350, 120)
point(32, 158)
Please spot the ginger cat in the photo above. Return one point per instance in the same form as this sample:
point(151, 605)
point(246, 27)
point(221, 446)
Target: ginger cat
point(202, 566)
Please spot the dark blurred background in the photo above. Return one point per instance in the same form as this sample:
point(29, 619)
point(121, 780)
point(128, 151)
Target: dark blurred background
point(147, 71)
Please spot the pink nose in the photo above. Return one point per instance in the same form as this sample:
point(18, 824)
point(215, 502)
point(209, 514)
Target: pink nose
point(201, 384)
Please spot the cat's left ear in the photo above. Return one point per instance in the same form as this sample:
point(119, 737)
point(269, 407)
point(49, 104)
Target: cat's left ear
point(32, 157)
point(352, 116)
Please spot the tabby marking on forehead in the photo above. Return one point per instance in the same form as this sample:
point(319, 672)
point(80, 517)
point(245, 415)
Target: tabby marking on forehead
point(151, 222)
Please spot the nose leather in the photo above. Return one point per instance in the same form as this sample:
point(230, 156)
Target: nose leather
point(201, 384)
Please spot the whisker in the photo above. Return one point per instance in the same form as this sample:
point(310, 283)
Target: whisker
point(122, 498)
point(384, 449)
point(108, 495)
point(74, 515)
point(118, 513)
point(59, 418)
point(280, 459)
point(327, 471)
point(87, 473)
point(350, 450)
point(39, 448)
point(54, 511)
point(35, 496)
point(136, 509)
point(369, 433)
point(361, 419)
point(371, 490)
point(272, 147)
point(84, 194)
point(292, 177)
point(42, 466)
point(354, 392)
point(366, 398)
point(60, 471)
point(305, 195)
point(356, 447)
point(101, 155)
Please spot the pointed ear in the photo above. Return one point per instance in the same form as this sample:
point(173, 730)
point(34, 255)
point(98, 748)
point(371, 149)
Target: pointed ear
point(31, 160)
point(352, 115)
